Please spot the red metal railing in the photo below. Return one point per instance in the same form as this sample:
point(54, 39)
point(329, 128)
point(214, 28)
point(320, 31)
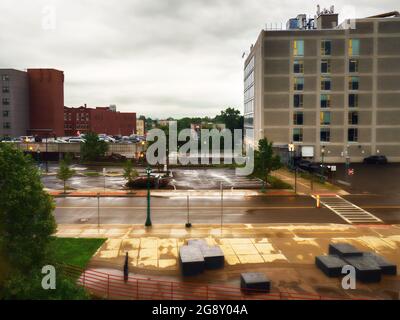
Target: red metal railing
point(111, 286)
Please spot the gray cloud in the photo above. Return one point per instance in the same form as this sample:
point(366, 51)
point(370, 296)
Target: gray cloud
point(156, 57)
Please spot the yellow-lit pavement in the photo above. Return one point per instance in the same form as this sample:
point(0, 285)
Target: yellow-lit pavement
point(278, 245)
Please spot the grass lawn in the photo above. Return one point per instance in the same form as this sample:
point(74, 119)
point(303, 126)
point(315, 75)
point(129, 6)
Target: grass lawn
point(75, 251)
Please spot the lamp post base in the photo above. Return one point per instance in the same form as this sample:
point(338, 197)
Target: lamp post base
point(188, 225)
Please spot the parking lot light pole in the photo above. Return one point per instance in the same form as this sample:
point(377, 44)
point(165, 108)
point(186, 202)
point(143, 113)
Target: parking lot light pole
point(98, 210)
point(188, 224)
point(148, 218)
point(222, 204)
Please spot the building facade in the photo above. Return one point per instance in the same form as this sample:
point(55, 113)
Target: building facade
point(140, 127)
point(331, 90)
point(14, 99)
point(100, 120)
point(46, 99)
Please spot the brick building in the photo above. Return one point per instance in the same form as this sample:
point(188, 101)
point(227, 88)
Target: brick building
point(46, 101)
point(100, 120)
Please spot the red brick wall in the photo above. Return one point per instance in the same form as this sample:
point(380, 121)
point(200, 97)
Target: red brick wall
point(46, 93)
point(99, 120)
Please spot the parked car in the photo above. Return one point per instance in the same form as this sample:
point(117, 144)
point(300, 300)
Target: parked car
point(27, 138)
point(304, 164)
point(376, 160)
point(76, 140)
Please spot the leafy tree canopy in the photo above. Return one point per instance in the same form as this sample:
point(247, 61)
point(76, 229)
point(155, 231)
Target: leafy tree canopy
point(26, 219)
point(93, 148)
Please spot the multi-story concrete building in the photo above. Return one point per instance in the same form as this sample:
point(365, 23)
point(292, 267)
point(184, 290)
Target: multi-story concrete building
point(14, 99)
point(331, 90)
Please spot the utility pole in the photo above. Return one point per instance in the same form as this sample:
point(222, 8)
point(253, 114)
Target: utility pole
point(148, 218)
point(222, 204)
point(98, 210)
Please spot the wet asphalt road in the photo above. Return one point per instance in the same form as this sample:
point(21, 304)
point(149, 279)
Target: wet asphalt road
point(202, 210)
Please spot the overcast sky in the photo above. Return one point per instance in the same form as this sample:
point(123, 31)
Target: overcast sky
point(159, 58)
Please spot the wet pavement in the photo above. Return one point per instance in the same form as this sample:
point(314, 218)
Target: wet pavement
point(211, 179)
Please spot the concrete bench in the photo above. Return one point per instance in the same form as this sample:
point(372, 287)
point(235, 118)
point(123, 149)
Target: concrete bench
point(344, 250)
point(197, 243)
point(254, 282)
point(330, 265)
point(191, 260)
point(214, 257)
point(367, 270)
point(386, 266)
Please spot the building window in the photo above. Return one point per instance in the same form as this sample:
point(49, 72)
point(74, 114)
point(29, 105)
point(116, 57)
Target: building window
point(6, 125)
point(5, 77)
point(325, 135)
point(325, 66)
point(353, 100)
point(6, 89)
point(69, 116)
point(353, 117)
point(298, 48)
point(65, 117)
point(326, 84)
point(298, 101)
point(248, 120)
point(298, 118)
point(354, 83)
point(325, 101)
point(352, 135)
point(326, 46)
point(6, 101)
point(298, 84)
point(298, 66)
point(353, 65)
point(354, 47)
point(77, 117)
point(297, 134)
point(6, 113)
point(325, 117)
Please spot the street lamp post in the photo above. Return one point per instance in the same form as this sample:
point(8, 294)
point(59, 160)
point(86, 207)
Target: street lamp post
point(291, 154)
point(322, 160)
point(222, 204)
point(148, 218)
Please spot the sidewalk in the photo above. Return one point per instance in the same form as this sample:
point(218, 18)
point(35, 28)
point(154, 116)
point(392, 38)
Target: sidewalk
point(305, 187)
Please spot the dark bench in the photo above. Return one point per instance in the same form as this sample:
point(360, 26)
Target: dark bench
point(213, 257)
point(367, 270)
point(331, 265)
point(191, 260)
point(254, 282)
point(386, 266)
point(344, 250)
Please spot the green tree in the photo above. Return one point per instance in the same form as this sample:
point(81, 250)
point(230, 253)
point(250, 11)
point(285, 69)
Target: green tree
point(130, 174)
point(231, 118)
point(265, 161)
point(26, 212)
point(93, 148)
point(27, 286)
point(65, 173)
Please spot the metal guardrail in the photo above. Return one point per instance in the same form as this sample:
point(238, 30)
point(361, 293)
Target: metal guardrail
point(110, 286)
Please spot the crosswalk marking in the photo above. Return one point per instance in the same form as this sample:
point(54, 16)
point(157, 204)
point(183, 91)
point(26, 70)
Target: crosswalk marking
point(347, 210)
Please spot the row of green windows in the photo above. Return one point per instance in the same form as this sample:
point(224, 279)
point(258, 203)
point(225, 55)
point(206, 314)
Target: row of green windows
point(325, 135)
point(298, 66)
point(325, 118)
point(326, 83)
point(326, 47)
point(325, 101)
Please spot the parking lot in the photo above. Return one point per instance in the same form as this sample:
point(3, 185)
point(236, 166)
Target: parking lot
point(210, 179)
